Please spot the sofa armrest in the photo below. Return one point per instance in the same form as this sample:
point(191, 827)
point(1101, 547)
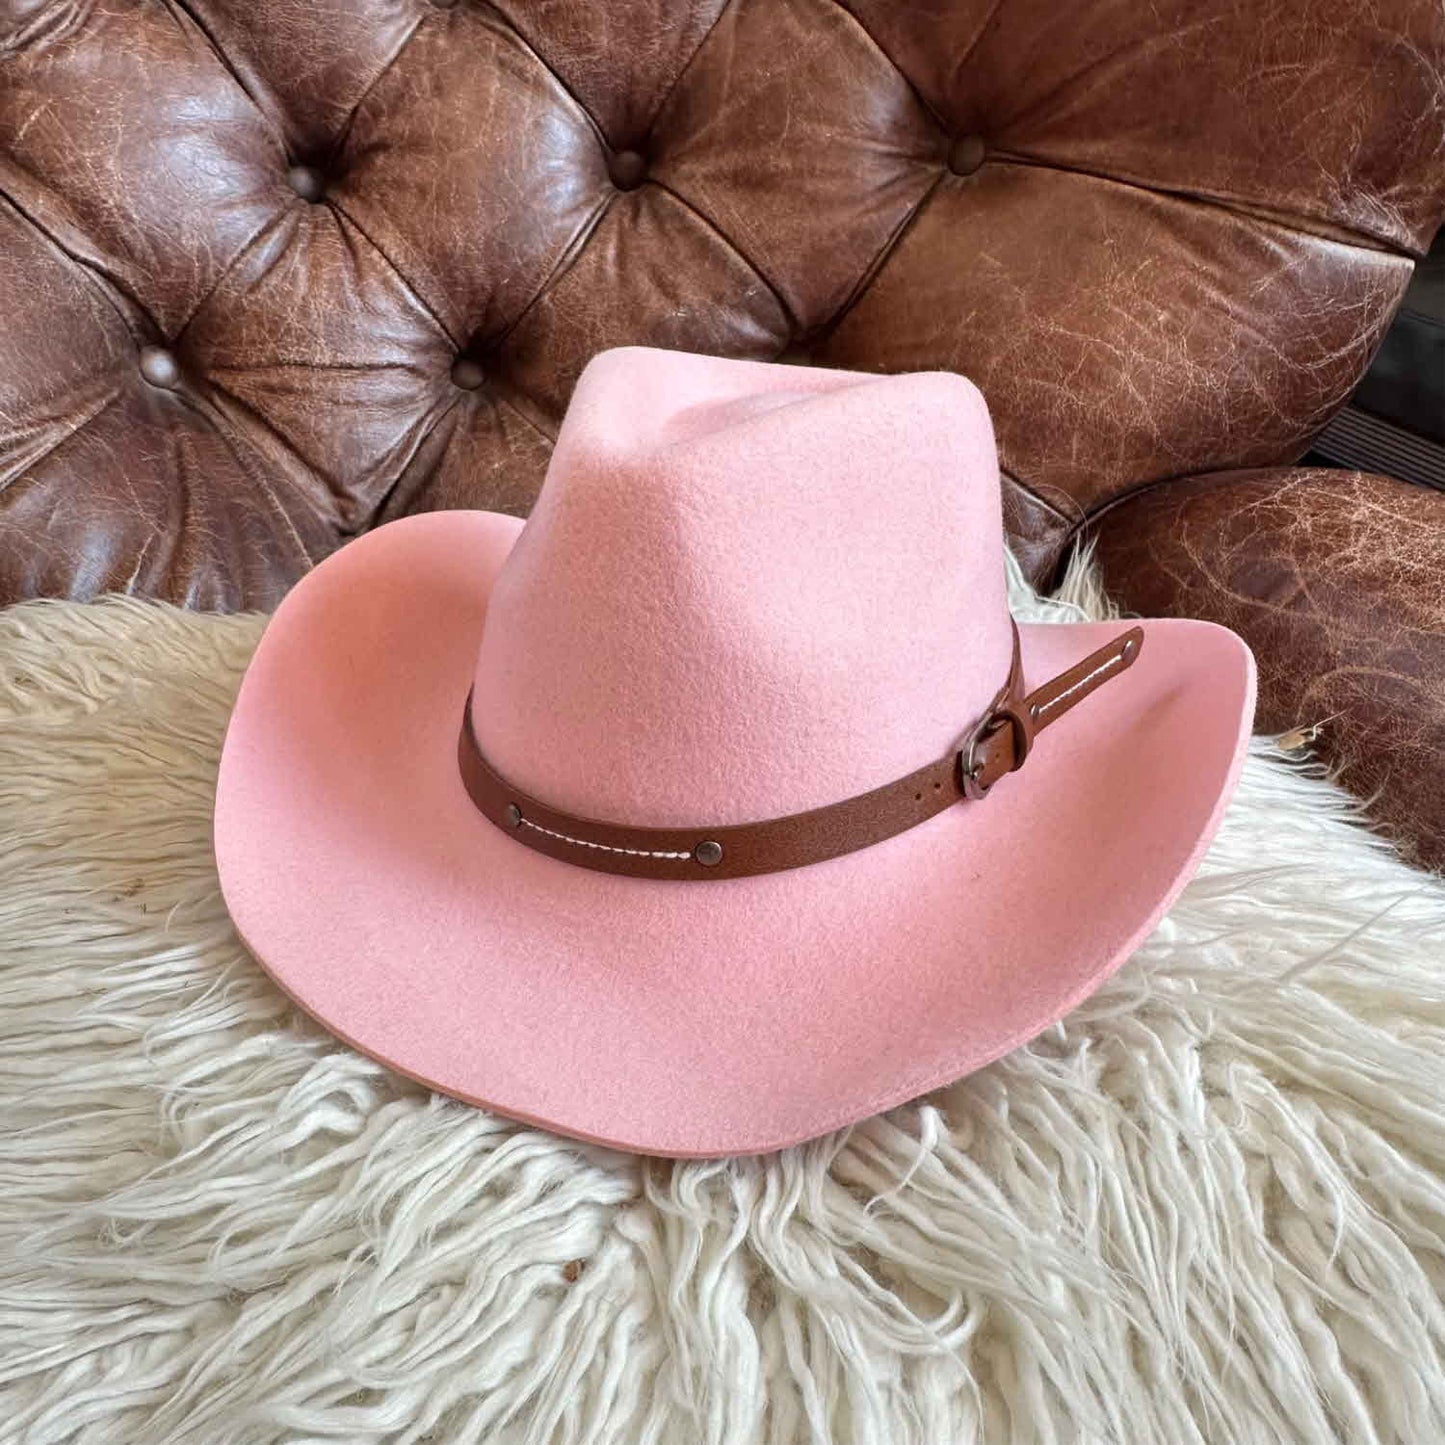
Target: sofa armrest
point(1337, 581)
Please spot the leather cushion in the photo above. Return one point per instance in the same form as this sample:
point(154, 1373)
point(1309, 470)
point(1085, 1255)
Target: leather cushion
point(1337, 581)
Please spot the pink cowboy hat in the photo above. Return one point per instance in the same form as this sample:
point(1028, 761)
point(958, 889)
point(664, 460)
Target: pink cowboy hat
point(721, 804)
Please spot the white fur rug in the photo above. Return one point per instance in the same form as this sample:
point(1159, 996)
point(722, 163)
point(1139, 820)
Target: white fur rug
point(1209, 1208)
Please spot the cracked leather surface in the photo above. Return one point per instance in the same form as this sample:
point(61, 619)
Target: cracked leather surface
point(378, 239)
point(1337, 581)
point(1163, 239)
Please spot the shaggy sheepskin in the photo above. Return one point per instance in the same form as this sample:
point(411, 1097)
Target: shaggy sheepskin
point(1209, 1207)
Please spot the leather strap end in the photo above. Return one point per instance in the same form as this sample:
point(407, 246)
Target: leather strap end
point(1051, 701)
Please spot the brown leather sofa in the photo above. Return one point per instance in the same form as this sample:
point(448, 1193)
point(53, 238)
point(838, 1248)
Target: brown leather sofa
point(272, 273)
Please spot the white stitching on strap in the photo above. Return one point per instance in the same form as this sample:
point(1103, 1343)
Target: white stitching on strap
point(1082, 682)
point(605, 847)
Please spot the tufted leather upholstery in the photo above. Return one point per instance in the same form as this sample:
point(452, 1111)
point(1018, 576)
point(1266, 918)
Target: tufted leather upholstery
point(272, 272)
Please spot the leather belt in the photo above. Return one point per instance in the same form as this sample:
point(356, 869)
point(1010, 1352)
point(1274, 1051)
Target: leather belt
point(997, 744)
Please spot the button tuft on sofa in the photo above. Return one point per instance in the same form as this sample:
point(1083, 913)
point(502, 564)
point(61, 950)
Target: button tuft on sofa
point(628, 169)
point(160, 368)
point(306, 181)
point(967, 154)
point(467, 373)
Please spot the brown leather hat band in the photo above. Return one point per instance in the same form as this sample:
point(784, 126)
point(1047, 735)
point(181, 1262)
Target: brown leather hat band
point(996, 745)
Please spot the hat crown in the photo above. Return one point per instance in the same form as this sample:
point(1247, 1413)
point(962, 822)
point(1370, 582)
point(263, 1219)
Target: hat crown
point(745, 590)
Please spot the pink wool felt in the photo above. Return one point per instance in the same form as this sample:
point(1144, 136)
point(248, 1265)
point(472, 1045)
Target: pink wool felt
point(745, 590)
point(745, 641)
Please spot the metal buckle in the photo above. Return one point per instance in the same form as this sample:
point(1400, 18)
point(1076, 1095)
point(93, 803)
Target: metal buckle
point(1002, 713)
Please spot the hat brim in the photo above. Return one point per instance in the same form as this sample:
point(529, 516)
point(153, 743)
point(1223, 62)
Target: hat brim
point(683, 1019)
